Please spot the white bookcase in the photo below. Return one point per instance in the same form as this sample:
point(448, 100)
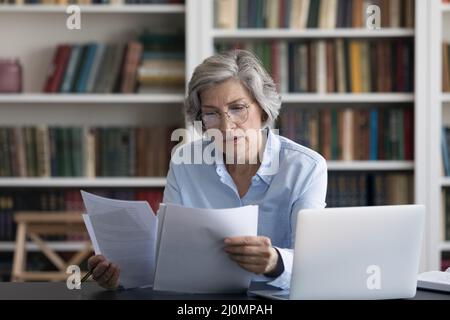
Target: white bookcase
point(38, 29)
point(439, 116)
point(31, 33)
point(203, 47)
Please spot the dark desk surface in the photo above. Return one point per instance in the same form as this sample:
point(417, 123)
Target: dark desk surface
point(91, 291)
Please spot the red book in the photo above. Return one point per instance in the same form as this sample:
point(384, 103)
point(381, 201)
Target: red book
point(400, 75)
point(57, 69)
point(281, 14)
point(275, 57)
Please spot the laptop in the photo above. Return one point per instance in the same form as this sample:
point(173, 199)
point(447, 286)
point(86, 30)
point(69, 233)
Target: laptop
point(355, 253)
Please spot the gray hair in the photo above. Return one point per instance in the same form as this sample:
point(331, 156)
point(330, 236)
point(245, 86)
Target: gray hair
point(235, 64)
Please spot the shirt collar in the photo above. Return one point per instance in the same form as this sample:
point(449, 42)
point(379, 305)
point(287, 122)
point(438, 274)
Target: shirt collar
point(270, 160)
point(271, 157)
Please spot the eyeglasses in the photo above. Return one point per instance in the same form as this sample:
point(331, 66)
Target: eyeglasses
point(237, 113)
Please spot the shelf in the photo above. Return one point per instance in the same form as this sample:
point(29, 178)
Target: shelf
point(7, 246)
point(310, 33)
point(446, 98)
point(445, 246)
point(83, 182)
point(91, 98)
point(156, 8)
point(179, 98)
point(161, 181)
point(445, 8)
point(445, 182)
point(348, 98)
point(370, 165)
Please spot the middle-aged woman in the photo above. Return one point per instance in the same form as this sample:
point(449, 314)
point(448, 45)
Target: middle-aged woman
point(233, 94)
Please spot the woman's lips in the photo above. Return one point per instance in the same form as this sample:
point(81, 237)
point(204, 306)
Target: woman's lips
point(234, 139)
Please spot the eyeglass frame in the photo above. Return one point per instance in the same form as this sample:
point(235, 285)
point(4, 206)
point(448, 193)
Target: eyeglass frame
point(221, 113)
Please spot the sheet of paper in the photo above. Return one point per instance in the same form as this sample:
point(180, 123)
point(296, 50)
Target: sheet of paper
point(125, 233)
point(91, 233)
point(191, 256)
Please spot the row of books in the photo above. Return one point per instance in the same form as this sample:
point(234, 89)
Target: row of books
point(352, 133)
point(447, 214)
point(336, 65)
point(162, 67)
point(89, 2)
point(302, 14)
point(367, 189)
point(118, 68)
point(446, 67)
point(60, 200)
point(84, 151)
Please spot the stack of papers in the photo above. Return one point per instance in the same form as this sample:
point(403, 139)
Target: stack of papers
point(125, 233)
point(190, 249)
point(180, 250)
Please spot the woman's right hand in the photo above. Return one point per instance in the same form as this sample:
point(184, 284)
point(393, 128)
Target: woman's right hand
point(104, 272)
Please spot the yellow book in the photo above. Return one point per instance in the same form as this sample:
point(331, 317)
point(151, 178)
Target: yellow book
point(347, 135)
point(445, 68)
point(226, 12)
point(355, 66)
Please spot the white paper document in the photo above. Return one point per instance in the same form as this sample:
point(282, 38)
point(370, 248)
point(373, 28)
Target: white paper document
point(191, 257)
point(125, 233)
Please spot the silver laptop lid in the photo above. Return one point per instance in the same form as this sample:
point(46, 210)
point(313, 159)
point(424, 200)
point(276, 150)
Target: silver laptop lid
point(357, 253)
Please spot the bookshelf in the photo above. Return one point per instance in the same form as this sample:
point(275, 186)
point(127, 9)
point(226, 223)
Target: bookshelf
point(209, 35)
point(370, 165)
point(348, 98)
point(439, 117)
point(151, 182)
point(32, 33)
point(446, 98)
point(8, 246)
point(308, 34)
point(92, 98)
point(95, 8)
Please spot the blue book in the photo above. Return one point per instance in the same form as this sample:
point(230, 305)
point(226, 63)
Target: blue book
point(95, 69)
point(445, 151)
point(81, 85)
point(69, 76)
point(374, 134)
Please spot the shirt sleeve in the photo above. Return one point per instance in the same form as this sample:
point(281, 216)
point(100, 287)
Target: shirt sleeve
point(172, 191)
point(312, 197)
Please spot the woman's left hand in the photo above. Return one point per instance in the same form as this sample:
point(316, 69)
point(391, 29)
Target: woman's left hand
point(254, 254)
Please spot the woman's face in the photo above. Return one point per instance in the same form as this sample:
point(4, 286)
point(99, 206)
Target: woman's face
point(241, 129)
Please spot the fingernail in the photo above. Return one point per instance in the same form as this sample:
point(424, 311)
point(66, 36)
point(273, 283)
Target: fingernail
point(227, 240)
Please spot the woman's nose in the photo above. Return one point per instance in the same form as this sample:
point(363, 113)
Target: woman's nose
point(226, 123)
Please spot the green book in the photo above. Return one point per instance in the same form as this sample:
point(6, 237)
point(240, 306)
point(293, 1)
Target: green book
point(313, 17)
point(77, 152)
point(401, 134)
point(67, 149)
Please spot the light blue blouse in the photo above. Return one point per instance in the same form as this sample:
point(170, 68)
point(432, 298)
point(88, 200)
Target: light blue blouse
point(299, 181)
